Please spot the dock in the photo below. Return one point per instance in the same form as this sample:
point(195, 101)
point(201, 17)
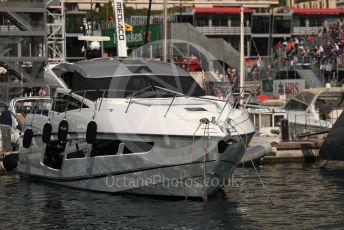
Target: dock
point(293, 151)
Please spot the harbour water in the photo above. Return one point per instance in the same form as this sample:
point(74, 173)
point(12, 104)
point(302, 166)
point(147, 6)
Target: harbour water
point(303, 196)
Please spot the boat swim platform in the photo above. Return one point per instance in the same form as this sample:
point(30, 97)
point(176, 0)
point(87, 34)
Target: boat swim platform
point(305, 151)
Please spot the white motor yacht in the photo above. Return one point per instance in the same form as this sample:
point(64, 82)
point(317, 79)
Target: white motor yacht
point(133, 126)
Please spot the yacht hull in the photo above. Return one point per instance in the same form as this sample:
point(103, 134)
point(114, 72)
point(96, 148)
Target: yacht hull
point(175, 166)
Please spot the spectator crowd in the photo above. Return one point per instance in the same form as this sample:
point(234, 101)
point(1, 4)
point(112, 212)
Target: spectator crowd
point(322, 50)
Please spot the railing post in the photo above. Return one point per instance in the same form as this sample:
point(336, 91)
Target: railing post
point(82, 101)
point(170, 105)
point(101, 100)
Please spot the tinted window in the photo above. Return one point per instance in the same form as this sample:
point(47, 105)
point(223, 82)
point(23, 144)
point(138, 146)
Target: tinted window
point(62, 100)
point(202, 20)
point(112, 147)
point(282, 24)
point(33, 106)
point(219, 20)
point(259, 46)
point(260, 24)
point(235, 20)
point(295, 105)
point(121, 87)
point(316, 21)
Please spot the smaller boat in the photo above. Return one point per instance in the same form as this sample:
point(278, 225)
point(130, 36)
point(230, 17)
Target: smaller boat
point(314, 110)
point(255, 153)
point(12, 120)
point(14, 116)
point(267, 119)
point(310, 113)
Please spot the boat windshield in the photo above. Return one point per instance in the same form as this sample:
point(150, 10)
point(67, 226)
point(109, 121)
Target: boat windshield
point(300, 101)
point(137, 86)
point(324, 100)
point(294, 104)
point(35, 105)
point(330, 100)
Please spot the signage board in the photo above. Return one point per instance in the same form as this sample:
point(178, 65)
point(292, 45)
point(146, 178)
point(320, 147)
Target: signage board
point(288, 87)
point(134, 38)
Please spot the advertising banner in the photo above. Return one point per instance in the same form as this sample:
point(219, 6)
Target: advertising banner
point(134, 38)
point(288, 87)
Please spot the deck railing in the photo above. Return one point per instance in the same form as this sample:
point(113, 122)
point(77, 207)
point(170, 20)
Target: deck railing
point(28, 4)
point(297, 30)
point(222, 30)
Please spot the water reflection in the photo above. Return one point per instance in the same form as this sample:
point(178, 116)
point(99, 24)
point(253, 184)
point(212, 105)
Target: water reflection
point(303, 197)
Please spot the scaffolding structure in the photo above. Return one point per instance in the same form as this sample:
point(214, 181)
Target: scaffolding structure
point(55, 31)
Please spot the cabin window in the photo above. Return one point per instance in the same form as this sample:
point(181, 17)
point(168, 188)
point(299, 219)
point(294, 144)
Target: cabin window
point(78, 153)
point(113, 147)
point(196, 109)
point(277, 120)
point(143, 86)
point(252, 116)
point(67, 77)
point(255, 119)
point(105, 148)
point(62, 100)
point(37, 106)
point(266, 120)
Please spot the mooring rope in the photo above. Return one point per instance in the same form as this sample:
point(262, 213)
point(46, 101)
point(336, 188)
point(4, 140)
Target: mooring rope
point(189, 171)
point(205, 157)
point(255, 168)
